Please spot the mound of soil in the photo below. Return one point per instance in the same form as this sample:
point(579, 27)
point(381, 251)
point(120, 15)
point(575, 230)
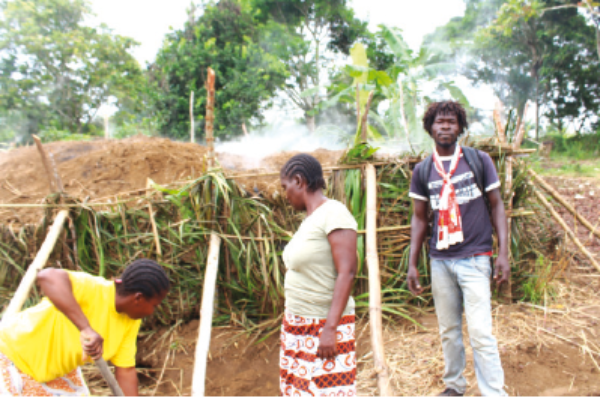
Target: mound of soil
point(103, 170)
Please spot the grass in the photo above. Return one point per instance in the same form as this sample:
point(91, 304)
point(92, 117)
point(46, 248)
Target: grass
point(565, 165)
point(254, 232)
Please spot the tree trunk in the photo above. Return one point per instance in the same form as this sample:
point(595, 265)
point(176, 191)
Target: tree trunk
point(537, 108)
point(310, 123)
point(597, 39)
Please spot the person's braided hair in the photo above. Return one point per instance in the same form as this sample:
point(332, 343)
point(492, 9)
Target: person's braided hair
point(144, 276)
point(308, 168)
point(445, 107)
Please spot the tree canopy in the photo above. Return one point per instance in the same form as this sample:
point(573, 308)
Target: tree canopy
point(225, 37)
point(56, 70)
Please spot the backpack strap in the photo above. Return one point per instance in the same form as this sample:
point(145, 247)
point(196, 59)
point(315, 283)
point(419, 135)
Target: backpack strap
point(476, 165)
point(473, 158)
point(424, 173)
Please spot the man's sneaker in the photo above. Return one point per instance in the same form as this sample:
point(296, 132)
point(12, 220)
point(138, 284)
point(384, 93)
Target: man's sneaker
point(450, 392)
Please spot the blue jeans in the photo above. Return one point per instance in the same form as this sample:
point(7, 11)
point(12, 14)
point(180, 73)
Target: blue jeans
point(465, 283)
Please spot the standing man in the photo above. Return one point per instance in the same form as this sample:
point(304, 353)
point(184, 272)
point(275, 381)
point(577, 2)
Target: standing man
point(456, 181)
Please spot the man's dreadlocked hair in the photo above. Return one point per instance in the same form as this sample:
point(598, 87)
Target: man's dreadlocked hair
point(445, 107)
point(308, 168)
point(144, 276)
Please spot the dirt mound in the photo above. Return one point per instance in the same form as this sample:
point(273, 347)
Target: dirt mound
point(110, 169)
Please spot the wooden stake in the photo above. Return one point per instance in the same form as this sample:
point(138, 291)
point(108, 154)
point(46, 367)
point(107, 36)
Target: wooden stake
point(155, 231)
point(192, 131)
point(568, 231)
point(206, 314)
point(564, 202)
point(149, 184)
point(375, 286)
point(53, 177)
point(210, 115)
point(16, 303)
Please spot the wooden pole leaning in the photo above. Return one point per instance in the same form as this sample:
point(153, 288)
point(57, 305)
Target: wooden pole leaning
point(568, 230)
point(375, 314)
point(563, 201)
point(210, 115)
point(206, 315)
point(53, 178)
point(16, 303)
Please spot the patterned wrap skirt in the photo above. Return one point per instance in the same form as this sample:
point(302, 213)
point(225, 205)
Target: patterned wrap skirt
point(302, 372)
point(15, 383)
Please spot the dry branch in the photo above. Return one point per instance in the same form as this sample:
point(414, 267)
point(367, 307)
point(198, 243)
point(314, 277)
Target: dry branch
point(53, 177)
point(554, 193)
point(568, 231)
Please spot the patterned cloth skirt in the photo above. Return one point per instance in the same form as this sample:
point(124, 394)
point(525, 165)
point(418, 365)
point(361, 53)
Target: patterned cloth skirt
point(302, 372)
point(15, 383)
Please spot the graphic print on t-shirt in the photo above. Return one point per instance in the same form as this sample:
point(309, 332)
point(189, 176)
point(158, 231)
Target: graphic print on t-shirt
point(464, 185)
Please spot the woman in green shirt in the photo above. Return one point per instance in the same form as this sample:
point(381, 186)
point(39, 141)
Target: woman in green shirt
point(317, 338)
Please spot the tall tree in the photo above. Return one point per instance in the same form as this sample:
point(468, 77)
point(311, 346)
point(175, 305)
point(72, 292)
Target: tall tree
point(54, 68)
point(535, 50)
point(308, 35)
point(226, 38)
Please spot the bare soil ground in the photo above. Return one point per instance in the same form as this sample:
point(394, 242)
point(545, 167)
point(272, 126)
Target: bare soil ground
point(547, 351)
point(112, 170)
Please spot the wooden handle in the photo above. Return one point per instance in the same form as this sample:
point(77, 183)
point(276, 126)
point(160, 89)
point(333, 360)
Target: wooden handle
point(109, 377)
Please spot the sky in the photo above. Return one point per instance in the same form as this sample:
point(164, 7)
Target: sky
point(148, 21)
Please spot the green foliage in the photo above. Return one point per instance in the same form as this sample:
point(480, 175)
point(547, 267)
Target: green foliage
point(56, 70)
point(539, 50)
point(579, 146)
point(536, 288)
point(227, 38)
point(307, 35)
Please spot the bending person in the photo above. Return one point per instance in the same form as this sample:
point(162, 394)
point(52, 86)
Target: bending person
point(317, 336)
point(42, 347)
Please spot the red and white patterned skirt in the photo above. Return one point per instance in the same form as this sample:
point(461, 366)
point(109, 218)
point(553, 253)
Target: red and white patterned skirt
point(15, 383)
point(302, 372)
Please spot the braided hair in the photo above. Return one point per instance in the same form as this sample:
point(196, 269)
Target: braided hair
point(144, 276)
point(308, 168)
point(445, 107)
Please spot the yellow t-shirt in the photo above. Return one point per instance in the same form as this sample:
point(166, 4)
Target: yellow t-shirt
point(311, 274)
point(43, 343)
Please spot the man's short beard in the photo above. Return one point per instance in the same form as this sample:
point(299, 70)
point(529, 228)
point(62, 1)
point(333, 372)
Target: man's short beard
point(446, 145)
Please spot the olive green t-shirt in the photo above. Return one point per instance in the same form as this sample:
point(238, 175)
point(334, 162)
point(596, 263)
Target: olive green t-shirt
point(311, 273)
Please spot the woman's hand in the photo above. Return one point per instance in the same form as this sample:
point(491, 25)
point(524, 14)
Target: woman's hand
point(327, 344)
point(92, 343)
